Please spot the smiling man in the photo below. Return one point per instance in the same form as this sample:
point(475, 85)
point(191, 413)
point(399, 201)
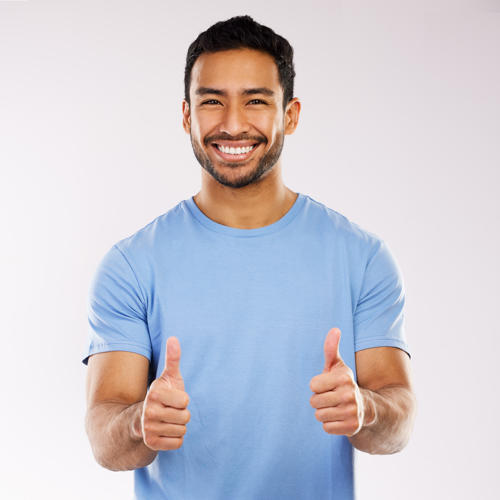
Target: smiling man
point(237, 113)
point(246, 153)
point(290, 316)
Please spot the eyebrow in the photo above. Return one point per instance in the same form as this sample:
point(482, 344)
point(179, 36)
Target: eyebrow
point(258, 90)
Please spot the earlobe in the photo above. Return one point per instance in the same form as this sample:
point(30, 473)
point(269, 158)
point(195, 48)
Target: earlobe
point(186, 117)
point(186, 125)
point(292, 116)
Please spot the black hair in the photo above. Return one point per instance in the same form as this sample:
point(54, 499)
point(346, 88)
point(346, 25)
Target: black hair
point(244, 32)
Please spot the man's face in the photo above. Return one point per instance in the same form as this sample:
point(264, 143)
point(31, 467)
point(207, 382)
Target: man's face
point(236, 119)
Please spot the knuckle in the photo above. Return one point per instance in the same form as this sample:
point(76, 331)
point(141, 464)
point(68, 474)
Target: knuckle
point(353, 409)
point(354, 423)
point(188, 416)
point(348, 398)
point(154, 393)
point(151, 442)
point(148, 413)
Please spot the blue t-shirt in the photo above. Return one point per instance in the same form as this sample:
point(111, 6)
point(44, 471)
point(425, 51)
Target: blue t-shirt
point(251, 309)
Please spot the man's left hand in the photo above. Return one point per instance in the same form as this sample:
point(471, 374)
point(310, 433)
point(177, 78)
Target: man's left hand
point(338, 399)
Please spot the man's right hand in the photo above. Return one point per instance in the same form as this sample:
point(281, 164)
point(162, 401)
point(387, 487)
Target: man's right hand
point(164, 413)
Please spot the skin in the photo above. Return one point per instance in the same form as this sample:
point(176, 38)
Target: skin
point(377, 412)
point(127, 424)
point(250, 194)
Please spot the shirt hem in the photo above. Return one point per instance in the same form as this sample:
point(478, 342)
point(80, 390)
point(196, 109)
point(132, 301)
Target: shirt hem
point(382, 342)
point(117, 346)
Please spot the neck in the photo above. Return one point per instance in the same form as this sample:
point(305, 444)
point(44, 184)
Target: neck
point(256, 205)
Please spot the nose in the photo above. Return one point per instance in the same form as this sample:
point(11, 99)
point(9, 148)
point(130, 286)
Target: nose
point(234, 120)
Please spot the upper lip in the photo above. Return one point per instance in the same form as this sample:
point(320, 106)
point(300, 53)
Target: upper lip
point(235, 144)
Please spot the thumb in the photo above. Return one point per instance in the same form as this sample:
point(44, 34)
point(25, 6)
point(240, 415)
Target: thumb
point(171, 372)
point(331, 347)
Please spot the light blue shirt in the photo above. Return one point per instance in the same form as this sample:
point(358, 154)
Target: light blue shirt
point(251, 309)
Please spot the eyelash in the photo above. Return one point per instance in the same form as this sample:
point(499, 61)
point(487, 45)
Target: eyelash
point(260, 101)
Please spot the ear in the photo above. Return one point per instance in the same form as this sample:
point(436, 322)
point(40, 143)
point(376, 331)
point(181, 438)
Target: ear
point(186, 116)
point(292, 112)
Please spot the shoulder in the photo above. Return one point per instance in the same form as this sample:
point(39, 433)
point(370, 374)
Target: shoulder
point(154, 234)
point(353, 237)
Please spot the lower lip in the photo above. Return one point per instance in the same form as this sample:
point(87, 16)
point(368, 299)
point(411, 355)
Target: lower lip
point(234, 158)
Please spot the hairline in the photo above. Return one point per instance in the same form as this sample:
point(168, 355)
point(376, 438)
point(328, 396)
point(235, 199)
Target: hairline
point(242, 47)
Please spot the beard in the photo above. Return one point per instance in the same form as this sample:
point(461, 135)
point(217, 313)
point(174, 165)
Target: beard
point(265, 164)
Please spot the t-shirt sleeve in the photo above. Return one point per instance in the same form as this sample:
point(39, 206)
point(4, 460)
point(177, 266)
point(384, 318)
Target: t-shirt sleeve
point(116, 309)
point(379, 313)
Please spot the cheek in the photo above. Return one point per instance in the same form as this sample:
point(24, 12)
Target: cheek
point(202, 126)
point(265, 121)
point(276, 126)
point(270, 128)
point(195, 127)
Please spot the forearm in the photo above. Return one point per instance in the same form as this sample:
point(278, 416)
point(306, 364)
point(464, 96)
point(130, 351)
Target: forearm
point(114, 432)
point(388, 420)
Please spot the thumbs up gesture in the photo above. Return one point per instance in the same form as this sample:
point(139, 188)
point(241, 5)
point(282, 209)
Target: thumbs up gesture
point(164, 413)
point(337, 397)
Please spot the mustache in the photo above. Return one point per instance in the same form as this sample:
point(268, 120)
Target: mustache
point(227, 137)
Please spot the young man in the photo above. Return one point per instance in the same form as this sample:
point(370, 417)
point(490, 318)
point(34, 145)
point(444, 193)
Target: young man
point(289, 315)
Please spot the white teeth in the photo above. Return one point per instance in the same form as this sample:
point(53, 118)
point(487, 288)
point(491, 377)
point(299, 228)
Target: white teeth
point(234, 151)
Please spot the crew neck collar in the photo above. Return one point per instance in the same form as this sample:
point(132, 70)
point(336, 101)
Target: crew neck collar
point(245, 233)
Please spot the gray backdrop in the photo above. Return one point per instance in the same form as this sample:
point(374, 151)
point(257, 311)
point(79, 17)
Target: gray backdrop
point(399, 132)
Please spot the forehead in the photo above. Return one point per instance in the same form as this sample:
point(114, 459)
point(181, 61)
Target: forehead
point(235, 69)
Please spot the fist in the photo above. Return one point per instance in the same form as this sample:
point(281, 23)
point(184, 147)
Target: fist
point(337, 399)
point(164, 413)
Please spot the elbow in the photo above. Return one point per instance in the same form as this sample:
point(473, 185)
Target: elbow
point(109, 462)
point(110, 457)
point(106, 464)
point(113, 466)
point(398, 437)
point(398, 447)
point(95, 445)
point(410, 413)
point(98, 454)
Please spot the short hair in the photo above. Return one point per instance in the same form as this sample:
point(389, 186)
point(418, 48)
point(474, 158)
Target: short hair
point(244, 32)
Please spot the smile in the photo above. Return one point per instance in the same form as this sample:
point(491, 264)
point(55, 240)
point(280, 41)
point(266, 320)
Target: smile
point(235, 151)
point(230, 153)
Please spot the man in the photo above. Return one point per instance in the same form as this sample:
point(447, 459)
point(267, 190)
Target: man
point(290, 316)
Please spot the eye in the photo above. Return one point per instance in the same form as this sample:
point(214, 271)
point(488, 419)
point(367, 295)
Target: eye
point(211, 101)
point(257, 101)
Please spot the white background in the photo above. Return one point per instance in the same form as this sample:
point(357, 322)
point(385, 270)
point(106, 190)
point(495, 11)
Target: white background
point(399, 131)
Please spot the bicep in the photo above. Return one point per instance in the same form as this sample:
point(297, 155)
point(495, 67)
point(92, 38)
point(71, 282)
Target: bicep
point(379, 367)
point(116, 376)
